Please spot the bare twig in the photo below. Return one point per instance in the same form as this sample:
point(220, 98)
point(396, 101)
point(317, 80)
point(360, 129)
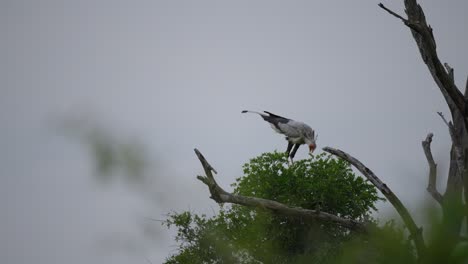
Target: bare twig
point(154, 219)
point(221, 196)
point(393, 13)
point(431, 187)
point(449, 124)
point(451, 128)
point(148, 260)
point(408, 23)
point(416, 233)
point(450, 72)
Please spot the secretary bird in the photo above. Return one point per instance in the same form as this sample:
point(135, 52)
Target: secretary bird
point(297, 133)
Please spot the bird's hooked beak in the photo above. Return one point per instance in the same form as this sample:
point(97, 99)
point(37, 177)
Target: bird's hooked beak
point(312, 148)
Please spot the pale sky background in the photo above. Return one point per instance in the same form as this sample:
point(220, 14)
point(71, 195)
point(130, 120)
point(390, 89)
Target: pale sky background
point(174, 75)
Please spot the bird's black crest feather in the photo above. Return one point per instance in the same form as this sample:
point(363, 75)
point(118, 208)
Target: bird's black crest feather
point(275, 119)
point(274, 115)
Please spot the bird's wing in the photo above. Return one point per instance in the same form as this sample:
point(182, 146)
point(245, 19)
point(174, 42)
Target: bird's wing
point(275, 121)
point(283, 125)
point(290, 129)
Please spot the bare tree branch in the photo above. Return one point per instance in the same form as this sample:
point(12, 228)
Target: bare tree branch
point(404, 20)
point(216, 191)
point(393, 13)
point(449, 124)
point(451, 128)
point(431, 187)
point(427, 47)
point(424, 37)
point(221, 196)
point(416, 233)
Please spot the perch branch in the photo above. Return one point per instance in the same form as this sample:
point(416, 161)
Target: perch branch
point(416, 233)
point(431, 187)
point(221, 196)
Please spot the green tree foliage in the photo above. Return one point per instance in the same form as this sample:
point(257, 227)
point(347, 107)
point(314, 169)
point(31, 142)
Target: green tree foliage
point(239, 234)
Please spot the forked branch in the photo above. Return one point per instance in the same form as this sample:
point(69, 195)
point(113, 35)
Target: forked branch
point(221, 196)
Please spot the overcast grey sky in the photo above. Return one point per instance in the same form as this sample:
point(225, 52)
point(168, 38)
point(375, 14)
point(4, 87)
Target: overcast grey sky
point(175, 75)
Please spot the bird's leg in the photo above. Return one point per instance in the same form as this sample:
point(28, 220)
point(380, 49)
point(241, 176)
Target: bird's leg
point(290, 145)
point(293, 153)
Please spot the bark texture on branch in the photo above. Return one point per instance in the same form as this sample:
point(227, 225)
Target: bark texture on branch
point(221, 196)
point(457, 160)
point(432, 183)
point(416, 233)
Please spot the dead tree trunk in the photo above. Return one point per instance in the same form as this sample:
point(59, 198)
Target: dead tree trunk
point(454, 208)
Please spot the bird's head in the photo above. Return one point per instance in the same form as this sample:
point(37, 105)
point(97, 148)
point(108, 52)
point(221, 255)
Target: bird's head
point(311, 143)
point(312, 147)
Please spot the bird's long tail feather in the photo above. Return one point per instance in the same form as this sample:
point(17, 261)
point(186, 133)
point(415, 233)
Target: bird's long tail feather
point(254, 112)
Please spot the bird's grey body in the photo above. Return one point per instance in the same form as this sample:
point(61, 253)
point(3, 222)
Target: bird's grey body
point(297, 133)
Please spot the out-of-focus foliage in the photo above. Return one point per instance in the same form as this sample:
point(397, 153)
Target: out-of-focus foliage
point(112, 155)
point(239, 234)
point(385, 244)
point(445, 244)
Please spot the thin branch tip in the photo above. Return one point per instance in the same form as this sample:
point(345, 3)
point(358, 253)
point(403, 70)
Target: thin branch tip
point(197, 152)
point(429, 137)
point(448, 123)
point(394, 14)
point(447, 66)
point(203, 179)
point(204, 162)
